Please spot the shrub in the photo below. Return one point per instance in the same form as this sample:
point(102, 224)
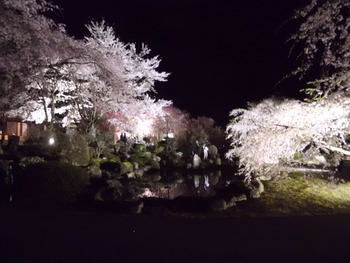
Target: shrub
point(29, 160)
point(72, 148)
point(112, 158)
point(96, 162)
point(141, 158)
point(79, 154)
point(54, 182)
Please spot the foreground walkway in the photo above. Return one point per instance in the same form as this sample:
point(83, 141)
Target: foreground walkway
point(70, 236)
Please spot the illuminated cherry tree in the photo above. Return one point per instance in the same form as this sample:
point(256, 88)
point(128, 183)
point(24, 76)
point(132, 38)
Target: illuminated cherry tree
point(139, 117)
point(323, 40)
point(174, 123)
point(269, 135)
point(29, 43)
point(79, 84)
point(139, 75)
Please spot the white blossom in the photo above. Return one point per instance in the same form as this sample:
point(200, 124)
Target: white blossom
point(268, 134)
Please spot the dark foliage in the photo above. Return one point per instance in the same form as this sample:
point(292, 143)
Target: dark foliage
point(53, 182)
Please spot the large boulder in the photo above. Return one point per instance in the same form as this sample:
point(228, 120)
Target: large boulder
point(155, 165)
point(196, 161)
point(212, 151)
point(126, 167)
point(139, 173)
point(113, 191)
point(219, 205)
point(218, 161)
point(257, 188)
point(156, 158)
point(94, 172)
point(239, 198)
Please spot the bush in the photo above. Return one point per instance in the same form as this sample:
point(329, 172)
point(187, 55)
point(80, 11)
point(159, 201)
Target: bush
point(71, 148)
point(142, 158)
point(112, 158)
point(54, 182)
point(79, 154)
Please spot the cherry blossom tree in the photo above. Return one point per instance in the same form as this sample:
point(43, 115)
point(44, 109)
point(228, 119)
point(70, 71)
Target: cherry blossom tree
point(138, 74)
point(322, 42)
point(29, 43)
point(269, 135)
point(139, 117)
point(66, 80)
point(174, 123)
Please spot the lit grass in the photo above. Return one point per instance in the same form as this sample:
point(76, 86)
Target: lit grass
point(301, 196)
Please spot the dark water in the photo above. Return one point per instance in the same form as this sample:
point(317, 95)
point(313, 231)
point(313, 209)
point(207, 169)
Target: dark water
point(201, 184)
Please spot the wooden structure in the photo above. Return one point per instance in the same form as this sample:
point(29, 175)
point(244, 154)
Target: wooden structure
point(13, 127)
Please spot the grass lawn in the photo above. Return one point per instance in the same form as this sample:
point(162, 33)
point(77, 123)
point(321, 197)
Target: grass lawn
point(298, 195)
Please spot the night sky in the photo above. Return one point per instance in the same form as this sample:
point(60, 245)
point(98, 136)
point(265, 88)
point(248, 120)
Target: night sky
point(220, 53)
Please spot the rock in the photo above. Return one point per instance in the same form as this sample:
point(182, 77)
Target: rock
point(321, 159)
point(219, 205)
point(155, 178)
point(120, 146)
point(136, 209)
point(95, 172)
point(218, 161)
point(196, 161)
point(113, 192)
point(155, 164)
point(139, 147)
point(98, 196)
point(117, 147)
point(135, 165)
point(138, 172)
point(114, 183)
point(156, 158)
point(179, 154)
point(212, 151)
point(147, 155)
point(213, 180)
point(147, 168)
point(265, 177)
point(126, 167)
point(131, 175)
point(257, 188)
point(239, 198)
point(218, 173)
point(106, 175)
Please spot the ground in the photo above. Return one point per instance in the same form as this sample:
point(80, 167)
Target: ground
point(298, 196)
point(72, 236)
point(297, 219)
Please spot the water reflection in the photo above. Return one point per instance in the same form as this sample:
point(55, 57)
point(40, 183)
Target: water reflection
point(187, 185)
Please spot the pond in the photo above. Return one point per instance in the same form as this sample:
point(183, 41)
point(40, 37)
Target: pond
point(183, 190)
point(187, 190)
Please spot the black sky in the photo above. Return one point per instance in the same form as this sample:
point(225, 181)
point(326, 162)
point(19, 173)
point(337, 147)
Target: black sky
point(220, 53)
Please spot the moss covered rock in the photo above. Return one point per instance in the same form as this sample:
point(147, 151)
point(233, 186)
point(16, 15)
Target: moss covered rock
point(218, 161)
point(154, 164)
point(212, 151)
point(126, 167)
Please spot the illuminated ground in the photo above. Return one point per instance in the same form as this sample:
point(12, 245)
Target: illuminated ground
point(298, 195)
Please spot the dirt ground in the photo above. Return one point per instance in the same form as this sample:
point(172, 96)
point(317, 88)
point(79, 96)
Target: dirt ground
point(28, 235)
